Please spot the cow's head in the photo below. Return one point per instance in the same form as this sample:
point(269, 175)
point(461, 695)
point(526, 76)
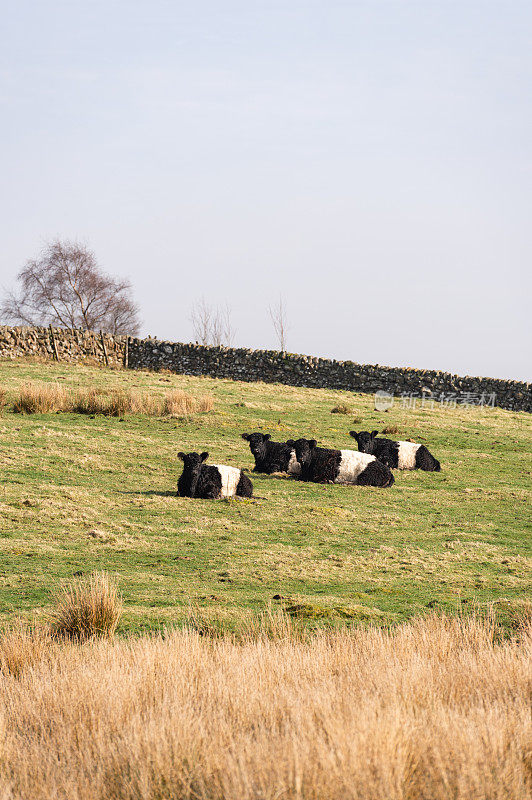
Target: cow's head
point(303, 449)
point(192, 461)
point(365, 440)
point(257, 443)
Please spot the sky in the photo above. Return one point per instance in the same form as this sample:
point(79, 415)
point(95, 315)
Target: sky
point(370, 162)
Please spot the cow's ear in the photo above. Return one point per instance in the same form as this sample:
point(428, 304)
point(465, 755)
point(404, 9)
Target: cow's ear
point(290, 442)
point(245, 436)
point(354, 434)
point(267, 436)
point(312, 443)
point(374, 434)
point(181, 456)
point(204, 455)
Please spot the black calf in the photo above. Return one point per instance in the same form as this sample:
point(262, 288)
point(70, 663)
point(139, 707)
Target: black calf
point(209, 481)
point(324, 465)
point(396, 455)
point(271, 456)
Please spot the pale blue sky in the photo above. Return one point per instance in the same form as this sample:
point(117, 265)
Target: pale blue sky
point(371, 161)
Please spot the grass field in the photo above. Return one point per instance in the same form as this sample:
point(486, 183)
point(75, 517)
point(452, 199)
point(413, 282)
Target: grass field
point(83, 492)
point(431, 709)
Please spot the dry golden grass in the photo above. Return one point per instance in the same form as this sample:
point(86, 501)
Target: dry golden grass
point(180, 404)
point(113, 403)
point(143, 403)
point(435, 709)
point(41, 398)
point(45, 398)
point(88, 608)
point(22, 646)
point(91, 400)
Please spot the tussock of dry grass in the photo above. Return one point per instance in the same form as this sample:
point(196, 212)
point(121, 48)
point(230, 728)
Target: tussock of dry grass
point(178, 403)
point(88, 608)
point(50, 397)
point(41, 398)
point(391, 429)
point(432, 710)
point(341, 408)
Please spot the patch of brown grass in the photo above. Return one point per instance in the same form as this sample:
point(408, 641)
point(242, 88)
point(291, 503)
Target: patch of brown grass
point(41, 398)
point(143, 403)
point(341, 408)
point(180, 404)
point(91, 400)
point(391, 429)
point(87, 608)
point(114, 402)
point(117, 402)
point(436, 708)
point(22, 646)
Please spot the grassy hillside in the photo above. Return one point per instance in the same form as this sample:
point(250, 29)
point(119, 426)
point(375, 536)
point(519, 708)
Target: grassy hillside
point(81, 493)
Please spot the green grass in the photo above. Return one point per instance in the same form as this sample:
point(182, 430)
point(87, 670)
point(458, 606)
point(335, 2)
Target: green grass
point(81, 493)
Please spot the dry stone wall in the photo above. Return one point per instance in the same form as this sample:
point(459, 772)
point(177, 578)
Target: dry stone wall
point(321, 373)
point(70, 345)
point(259, 365)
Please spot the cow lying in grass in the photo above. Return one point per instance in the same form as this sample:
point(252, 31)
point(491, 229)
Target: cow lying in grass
point(271, 456)
point(396, 455)
point(209, 481)
point(322, 465)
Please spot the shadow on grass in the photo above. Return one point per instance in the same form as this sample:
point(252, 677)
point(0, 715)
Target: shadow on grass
point(272, 476)
point(153, 493)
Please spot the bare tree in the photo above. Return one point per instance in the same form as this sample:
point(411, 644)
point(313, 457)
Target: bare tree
point(64, 286)
point(278, 317)
point(201, 318)
point(222, 331)
point(212, 325)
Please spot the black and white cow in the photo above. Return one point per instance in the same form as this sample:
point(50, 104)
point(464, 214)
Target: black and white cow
point(209, 481)
point(322, 465)
point(272, 456)
point(397, 455)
